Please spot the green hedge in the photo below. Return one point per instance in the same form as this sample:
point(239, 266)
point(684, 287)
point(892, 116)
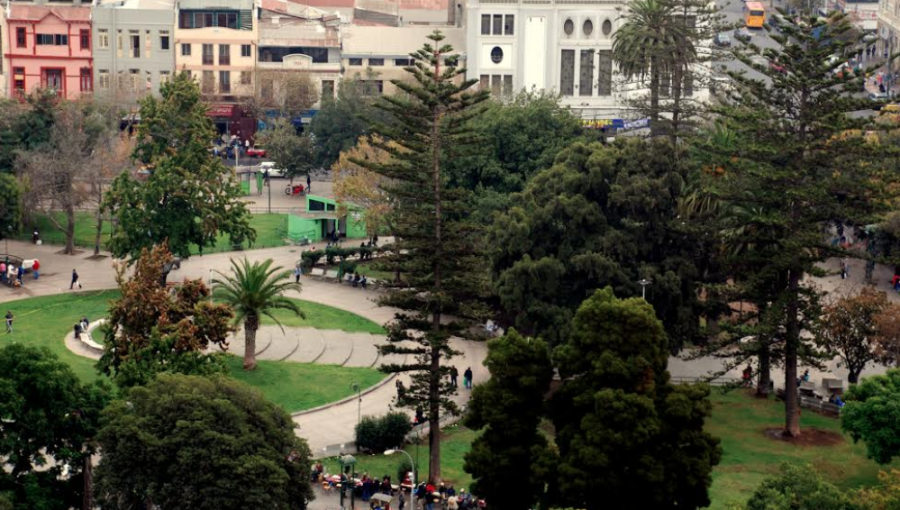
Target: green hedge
point(312, 257)
point(376, 435)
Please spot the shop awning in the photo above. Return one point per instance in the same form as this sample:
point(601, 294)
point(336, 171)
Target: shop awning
point(221, 110)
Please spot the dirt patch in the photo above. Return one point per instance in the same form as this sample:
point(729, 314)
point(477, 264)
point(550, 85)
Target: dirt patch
point(96, 257)
point(63, 252)
point(808, 437)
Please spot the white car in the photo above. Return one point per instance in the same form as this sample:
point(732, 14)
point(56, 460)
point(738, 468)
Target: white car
point(268, 166)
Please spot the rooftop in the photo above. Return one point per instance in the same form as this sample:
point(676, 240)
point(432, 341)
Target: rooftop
point(39, 12)
point(136, 4)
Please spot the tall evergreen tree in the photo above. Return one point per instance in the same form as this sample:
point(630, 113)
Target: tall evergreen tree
point(436, 247)
point(797, 164)
point(189, 197)
point(512, 451)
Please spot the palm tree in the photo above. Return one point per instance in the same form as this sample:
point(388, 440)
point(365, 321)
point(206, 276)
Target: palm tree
point(654, 41)
point(253, 290)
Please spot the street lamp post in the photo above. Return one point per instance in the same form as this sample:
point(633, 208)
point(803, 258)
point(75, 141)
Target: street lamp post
point(355, 387)
point(643, 283)
point(412, 492)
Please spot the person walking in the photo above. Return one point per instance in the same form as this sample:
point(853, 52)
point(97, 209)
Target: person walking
point(36, 268)
point(454, 376)
point(308, 183)
point(297, 273)
point(74, 280)
point(20, 274)
point(467, 378)
point(9, 322)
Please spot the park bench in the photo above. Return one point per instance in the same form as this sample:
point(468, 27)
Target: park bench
point(332, 275)
point(317, 272)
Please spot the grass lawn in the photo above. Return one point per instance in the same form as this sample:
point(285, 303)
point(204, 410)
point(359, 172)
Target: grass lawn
point(749, 456)
point(325, 317)
point(456, 442)
point(266, 226)
point(365, 269)
point(45, 321)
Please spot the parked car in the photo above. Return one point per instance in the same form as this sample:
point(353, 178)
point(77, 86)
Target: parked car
point(268, 166)
point(722, 40)
point(743, 34)
point(256, 152)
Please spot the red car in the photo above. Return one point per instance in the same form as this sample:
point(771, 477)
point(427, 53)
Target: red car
point(256, 152)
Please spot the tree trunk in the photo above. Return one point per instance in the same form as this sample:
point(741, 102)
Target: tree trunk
point(677, 78)
point(853, 375)
point(434, 417)
point(792, 344)
point(654, 97)
point(70, 230)
point(88, 500)
point(99, 236)
point(765, 371)
point(250, 327)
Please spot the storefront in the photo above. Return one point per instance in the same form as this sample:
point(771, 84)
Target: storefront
point(232, 120)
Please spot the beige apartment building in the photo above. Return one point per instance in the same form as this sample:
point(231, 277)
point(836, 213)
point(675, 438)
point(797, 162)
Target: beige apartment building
point(888, 27)
point(378, 54)
point(215, 41)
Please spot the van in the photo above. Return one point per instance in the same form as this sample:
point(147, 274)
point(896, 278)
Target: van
point(272, 170)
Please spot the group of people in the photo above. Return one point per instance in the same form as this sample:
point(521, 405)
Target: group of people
point(445, 497)
point(356, 280)
point(81, 327)
point(12, 274)
point(467, 378)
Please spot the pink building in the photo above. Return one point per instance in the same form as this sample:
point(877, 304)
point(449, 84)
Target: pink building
point(49, 47)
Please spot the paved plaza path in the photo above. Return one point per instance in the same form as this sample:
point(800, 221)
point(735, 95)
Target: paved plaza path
point(324, 428)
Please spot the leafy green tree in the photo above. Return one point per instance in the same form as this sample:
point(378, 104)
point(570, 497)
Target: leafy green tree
point(512, 451)
point(623, 429)
point(188, 442)
point(254, 290)
point(342, 120)
point(602, 215)
point(799, 488)
point(289, 151)
point(189, 197)
point(872, 414)
point(151, 329)
point(794, 137)
point(437, 247)
point(10, 205)
point(519, 137)
point(48, 417)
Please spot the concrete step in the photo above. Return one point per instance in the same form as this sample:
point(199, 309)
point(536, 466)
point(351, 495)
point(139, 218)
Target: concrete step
point(365, 350)
point(310, 346)
point(236, 344)
point(281, 343)
point(338, 347)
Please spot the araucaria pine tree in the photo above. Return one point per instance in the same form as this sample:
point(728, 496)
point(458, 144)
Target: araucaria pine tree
point(436, 248)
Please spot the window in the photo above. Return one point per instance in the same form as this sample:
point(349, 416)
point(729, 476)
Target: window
point(103, 79)
point(52, 39)
point(185, 50)
point(327, 89)
point(164, 77)
point(20, 37)
point(103, 39)
point(85, 36)
point(207, 54)
point(134, 47)
point(567, 73)
point(604, 74)
point(203, 19)
point(164, 40)
point(498, 25)
point(19, 80)
point(497, 55)
point(52, 79)
point(246, 50)
point(87, 82)
point(403, 62)
point(372, 87)
point(507, 85)
point(208, 82)
point(224, 54)
point(496, 82)
point(484, 82)
point(134, 79)
point(588, 27)
point(60, 40)
point(508, 23)
point(119, 45)
point(485, 24)
point(148, 44)
point(586, 73)
point(376, 61)
point(607, 27)
point(246, 78)
point(355, 61)
point(569, 27)
point(225, 82)
point(44, 39)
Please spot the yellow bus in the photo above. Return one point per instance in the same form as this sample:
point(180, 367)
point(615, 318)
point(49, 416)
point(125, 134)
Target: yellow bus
point(754, 15)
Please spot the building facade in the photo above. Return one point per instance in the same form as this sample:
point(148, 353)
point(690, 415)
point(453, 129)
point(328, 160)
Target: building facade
point(49, 47)
point(215, 41)
point(888, 27)
point(552, 45)
point(133, 46)
point(377, 54)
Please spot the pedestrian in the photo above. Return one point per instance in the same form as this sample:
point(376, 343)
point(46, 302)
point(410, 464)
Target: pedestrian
point(843, 270)
point(308, 183)
point(36, 236)
point(297, 273)
point(20, 273)
point(9, 322)
point(454, 375)
point(402, 500)
point(467, 378)
point(74, 280)
point(401, 390)
point(36, 268)
point(3, 272)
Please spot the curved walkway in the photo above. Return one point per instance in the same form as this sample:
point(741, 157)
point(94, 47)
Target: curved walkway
point(326, 428)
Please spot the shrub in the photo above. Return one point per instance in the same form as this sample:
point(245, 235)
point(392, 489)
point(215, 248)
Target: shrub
point(310, 258)
point(376, 435)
